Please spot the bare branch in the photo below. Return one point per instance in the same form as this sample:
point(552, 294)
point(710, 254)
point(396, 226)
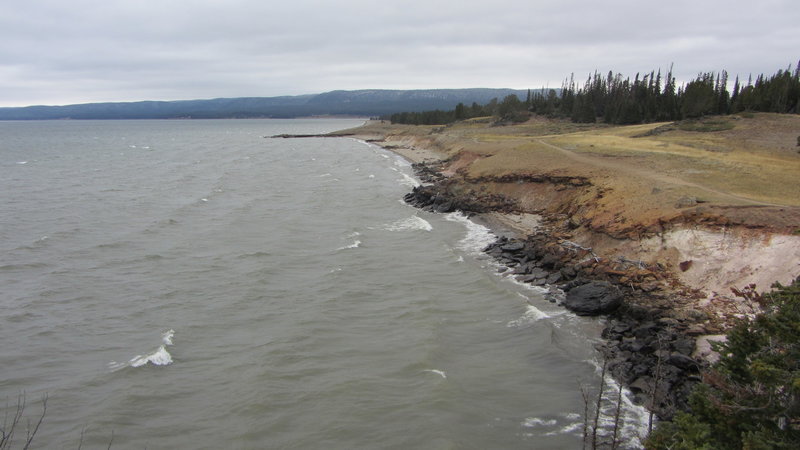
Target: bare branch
point(31, 434)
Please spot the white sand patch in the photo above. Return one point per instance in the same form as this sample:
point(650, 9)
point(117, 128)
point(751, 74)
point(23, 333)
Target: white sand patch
point(724, 259)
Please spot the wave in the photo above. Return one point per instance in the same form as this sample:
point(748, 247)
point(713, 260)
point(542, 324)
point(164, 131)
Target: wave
point(441, 373)
point(254, 255)
point(23, 266)
point(355, 244)
point(408, 180)
point(633, 418)
point(159, 357)
point(410, 224)
point(551, 427)
point(478, 236)
point(532, 315)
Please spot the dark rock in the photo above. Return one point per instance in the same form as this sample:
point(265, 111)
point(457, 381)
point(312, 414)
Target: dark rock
point(684, 346)
point(645, 329)
point(513, 247)
point(568, 272)
point(554, 278)
point(593, 298)
point(641, 384)
point(522, 269)
point(539, 273)
point(550, 262)
point(640, 312)
point(668, 321)
point(566, 287)
point(683, 362)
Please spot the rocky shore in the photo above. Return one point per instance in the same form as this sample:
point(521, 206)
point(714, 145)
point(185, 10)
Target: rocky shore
point(652, 231)
point(649, 343)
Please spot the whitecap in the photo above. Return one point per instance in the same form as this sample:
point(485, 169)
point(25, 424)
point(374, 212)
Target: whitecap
point(441, 373)
point(402, 162)
point(571, 428)
point(160, 357)
point(410, 223)
point(355, 244)
point(478, 236)
point(22, 162)
point(634, 418)
point(166, 338)
point(408, 181)
point(532, 315)
point(533, 422)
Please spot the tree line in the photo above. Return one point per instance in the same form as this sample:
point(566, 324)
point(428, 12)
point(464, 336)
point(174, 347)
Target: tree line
point(652, 97)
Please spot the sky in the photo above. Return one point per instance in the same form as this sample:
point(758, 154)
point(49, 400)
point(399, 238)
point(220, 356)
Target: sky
point(57, 52)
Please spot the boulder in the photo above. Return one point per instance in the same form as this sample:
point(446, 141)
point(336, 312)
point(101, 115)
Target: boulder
point(593, 298)
point(513, 246)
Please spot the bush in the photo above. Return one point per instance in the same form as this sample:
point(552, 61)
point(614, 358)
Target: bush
point(751, 397)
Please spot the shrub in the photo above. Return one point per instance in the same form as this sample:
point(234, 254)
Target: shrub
point(751, 397)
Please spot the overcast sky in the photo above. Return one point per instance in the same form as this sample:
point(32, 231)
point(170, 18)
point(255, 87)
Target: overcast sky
point(80, 51)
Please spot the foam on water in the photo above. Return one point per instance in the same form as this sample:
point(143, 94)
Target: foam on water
point(412, 223)
point(160, 357)
point(532, 315)
point(535, 422)
point(634, 418)
point(355, 244)
point(408, 180)
point(478, 236)
point(441, 373)
point(569, 423)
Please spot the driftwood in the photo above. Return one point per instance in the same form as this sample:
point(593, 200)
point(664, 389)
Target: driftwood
point(575, 247)
point(633, 262)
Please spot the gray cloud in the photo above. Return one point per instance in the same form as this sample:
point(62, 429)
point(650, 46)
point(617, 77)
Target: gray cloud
point(57, 52)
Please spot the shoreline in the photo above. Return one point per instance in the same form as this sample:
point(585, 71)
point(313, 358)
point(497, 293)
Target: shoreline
point(657, 333)
point(522, 234)
point(656, 265)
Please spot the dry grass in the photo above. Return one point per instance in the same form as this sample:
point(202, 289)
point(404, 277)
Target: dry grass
point(755, 160)
point(639, 174)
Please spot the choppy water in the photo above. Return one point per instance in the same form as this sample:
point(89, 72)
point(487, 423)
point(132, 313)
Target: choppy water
point(190, 284)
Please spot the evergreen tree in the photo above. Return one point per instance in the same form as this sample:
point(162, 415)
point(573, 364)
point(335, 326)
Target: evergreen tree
point(751, 397)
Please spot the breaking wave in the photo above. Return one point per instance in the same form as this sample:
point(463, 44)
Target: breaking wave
point(410, 224)
point(478, 236)
point(159, 357)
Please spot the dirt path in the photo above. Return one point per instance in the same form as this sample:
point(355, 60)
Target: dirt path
point(617, 165)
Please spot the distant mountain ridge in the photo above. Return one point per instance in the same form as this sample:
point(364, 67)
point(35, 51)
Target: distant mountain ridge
point(367, 102)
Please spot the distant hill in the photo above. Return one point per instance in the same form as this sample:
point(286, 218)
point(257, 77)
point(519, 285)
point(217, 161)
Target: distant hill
point(370, 102)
